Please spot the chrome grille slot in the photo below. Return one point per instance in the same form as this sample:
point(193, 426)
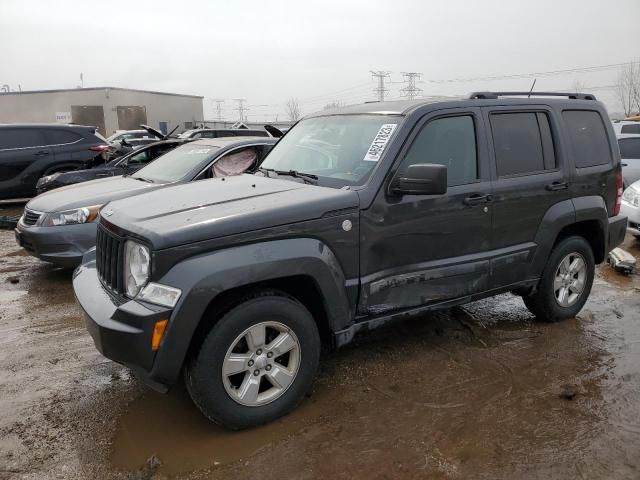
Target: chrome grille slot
point(30, 217)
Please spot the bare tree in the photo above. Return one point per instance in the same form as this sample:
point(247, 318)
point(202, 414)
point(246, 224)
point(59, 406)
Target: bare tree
point(293, 109)
point(628, 88)
point(332, 105)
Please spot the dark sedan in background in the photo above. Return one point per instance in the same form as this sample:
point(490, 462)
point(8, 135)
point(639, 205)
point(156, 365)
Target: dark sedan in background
point(127, 164)
point(59, 226)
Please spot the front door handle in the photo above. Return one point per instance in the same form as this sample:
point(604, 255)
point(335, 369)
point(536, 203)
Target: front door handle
point(555, 186)
point(625, 164)
point(477, 199)
point(42, 153)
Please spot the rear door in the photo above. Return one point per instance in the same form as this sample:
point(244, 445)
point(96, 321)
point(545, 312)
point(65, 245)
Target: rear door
point(21, 152)
point(630, 153)
point(528, 178)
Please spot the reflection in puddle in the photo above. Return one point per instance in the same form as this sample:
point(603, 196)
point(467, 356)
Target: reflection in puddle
point(173, 429)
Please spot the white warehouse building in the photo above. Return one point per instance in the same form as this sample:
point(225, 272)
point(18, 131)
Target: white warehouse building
point(107, 108)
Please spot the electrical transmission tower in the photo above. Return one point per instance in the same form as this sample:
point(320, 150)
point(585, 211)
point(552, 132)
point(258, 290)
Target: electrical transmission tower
point(241, 109)
point(381, 75)
point(411, 91)
point(219, 103)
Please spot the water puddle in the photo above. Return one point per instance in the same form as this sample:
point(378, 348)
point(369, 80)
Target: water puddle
point(173, 429)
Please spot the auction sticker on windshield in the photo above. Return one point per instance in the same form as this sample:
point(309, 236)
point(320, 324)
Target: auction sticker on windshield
point(198, 151)
point(379, 142)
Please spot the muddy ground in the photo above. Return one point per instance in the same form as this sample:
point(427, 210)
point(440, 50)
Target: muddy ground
point(482, 391)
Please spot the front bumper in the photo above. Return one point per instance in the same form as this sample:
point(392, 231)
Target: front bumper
point(63, 245)
point(121, 328)
point(633, 214)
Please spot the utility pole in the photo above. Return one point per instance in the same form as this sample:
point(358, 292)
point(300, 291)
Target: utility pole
point(381, 75)
point(241, 108)
point(411, 91)
point(219, 103)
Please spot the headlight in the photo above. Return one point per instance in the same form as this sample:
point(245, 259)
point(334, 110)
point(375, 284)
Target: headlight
point(631, 196)
point(71, 217)
point(47, 179)
point(137, 263)
point(160, 294)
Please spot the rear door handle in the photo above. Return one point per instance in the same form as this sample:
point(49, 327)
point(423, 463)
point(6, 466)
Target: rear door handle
point(42, 153)
point(477, 199)
point(625, 164)
point(552, 187)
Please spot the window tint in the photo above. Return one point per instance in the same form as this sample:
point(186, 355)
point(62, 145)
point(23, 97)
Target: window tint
point(630, 128)
point(588, 137)
point(55, 137)
point(21, 138)
point(629, 147)
point(522, 143)
point(449, 141)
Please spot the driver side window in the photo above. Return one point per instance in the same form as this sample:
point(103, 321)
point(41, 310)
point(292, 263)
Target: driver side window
point(449, 141)
point(139, 158)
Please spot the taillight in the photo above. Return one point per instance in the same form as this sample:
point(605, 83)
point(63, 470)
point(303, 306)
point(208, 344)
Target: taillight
point(616, 208)
point(99, 148)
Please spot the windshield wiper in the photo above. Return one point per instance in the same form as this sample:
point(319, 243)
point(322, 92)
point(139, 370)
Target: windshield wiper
point(291, 173)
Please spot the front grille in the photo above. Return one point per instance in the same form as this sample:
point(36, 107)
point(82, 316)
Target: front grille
point(30, 217)
point(110, 259)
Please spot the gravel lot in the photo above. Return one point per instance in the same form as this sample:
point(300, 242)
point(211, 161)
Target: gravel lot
point(482, 391)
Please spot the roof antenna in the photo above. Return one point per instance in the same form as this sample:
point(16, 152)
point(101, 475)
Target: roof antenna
point(532, 85)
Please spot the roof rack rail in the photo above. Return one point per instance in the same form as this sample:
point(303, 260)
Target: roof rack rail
point(494, 95)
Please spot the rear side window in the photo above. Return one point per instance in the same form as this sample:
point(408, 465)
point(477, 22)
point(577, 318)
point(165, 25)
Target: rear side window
point(449, 141)
point(21, 138)
point(588, 137)
point(631, 128)
point(629, 147)
point(56, 137)
point(522, 142)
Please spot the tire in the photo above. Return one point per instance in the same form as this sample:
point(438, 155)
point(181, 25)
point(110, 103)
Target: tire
point(544, 303)
point(219, 396)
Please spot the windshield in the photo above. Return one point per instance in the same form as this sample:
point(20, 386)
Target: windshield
point(340, 149)
point(177, 164)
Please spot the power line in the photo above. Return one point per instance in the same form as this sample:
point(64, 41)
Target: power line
point(410, 91)
point(381, 75)
point(596, 68)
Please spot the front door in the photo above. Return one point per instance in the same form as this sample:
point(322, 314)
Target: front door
point(417, 250)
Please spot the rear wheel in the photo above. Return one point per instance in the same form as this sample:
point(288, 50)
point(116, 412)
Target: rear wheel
point(256, 363)
point(565, 283)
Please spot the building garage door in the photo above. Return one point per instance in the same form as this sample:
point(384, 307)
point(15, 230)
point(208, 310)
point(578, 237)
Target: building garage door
point(130, 118)
point(89, 115)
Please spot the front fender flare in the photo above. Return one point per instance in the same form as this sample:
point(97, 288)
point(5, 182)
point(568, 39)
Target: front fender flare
point(203, 277)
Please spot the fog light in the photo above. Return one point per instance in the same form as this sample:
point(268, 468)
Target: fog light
point(160, 295)
point(158, 332)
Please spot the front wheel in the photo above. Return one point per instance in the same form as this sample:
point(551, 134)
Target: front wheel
point(565, 283)
point(256, 363)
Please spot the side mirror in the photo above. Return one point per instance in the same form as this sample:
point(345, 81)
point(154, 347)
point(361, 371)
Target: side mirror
point(421, 179)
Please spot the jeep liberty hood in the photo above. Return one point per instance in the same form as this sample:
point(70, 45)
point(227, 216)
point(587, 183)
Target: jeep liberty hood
point(218, 207)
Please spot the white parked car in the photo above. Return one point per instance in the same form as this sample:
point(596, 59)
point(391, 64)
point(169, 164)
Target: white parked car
point(630, 152)
point(631, 208)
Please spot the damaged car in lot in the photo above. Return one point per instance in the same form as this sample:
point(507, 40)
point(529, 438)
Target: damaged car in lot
point(59, 226)
point(631, 208)
point(124, 165)
point(357, 217)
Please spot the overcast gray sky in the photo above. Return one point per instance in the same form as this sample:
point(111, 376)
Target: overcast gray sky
point(317, 51)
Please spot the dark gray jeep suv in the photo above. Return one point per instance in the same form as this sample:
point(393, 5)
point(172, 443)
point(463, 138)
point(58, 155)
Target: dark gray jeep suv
point(358, 216)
